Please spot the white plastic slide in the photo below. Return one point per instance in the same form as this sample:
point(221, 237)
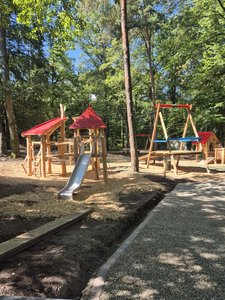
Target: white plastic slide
point(76, 177)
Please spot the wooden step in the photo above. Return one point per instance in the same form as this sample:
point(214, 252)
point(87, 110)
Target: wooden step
point(25, 240)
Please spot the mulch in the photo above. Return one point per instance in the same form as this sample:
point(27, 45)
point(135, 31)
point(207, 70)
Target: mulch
point(61, 266)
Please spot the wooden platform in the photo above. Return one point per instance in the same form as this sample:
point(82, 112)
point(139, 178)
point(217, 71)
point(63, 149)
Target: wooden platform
point(25, 240)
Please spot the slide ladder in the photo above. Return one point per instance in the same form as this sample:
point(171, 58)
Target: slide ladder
point(37, 166)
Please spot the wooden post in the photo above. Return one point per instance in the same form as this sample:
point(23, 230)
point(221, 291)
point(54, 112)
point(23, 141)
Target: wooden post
point(48, 146)
point(185, 131)
point(215, 155)
point(200, 144)
point(71, 151)
point(104, 155)
point(62, 131)
point(163, 127)
point(43, 149)
point(75, 145)
point(185, 128)
point(62, 110)
point(166, 137)
point(62, 139)
point(153, 134)
point(223, 156)
point(29, 156)
point(63, 165)
point(193, 127)
point(96, 154)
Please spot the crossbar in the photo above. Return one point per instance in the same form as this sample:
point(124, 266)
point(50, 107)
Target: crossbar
point(168, 105)
point(160, 141)
point(186, 139)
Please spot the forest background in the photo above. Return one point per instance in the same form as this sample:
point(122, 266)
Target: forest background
point(177, 51)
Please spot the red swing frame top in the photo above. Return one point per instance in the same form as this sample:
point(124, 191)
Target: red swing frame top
point(168, 105)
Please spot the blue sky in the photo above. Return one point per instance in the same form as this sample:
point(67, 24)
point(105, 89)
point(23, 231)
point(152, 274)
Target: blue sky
point(77, 55)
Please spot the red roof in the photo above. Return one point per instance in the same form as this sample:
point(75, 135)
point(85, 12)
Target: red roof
point(205, 136)
point(88, 120)
point(44, 127)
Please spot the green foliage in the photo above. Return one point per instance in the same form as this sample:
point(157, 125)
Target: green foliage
point(183, 39)
point(60, 20)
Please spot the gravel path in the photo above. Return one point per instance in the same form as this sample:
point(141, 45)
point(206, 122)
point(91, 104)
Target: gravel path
point(177, 253)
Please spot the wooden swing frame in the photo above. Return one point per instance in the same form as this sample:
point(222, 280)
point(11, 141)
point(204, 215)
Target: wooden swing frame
point(173, 155)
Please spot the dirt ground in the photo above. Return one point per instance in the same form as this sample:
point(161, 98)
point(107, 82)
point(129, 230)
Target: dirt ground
point(60, 266)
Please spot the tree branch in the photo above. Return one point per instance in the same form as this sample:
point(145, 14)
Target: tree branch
point(221, 5)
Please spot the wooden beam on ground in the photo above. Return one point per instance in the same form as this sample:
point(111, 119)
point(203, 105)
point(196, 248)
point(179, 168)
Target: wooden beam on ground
point(5, 297)
point(25, 240)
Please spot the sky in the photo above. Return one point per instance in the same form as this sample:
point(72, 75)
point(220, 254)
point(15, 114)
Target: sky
point(77, 55)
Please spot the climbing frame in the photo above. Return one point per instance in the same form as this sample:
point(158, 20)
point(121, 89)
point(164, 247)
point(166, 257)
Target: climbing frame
point(89, 130)
point(39, 162)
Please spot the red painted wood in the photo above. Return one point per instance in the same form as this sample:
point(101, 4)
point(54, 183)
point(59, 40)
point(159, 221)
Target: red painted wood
point(88, 120)
point(43, 127)
point(174, 105)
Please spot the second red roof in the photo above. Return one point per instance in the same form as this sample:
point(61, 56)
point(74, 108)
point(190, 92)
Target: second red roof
point(89, 119)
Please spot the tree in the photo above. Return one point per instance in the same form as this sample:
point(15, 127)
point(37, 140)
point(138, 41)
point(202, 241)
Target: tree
point(145, 21)
point(5, 13)
point(128, 87)
point(38, 19)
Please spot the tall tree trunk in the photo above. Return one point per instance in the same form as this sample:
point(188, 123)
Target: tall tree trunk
point(128, 88)
point(4, 59)
point(2, 138)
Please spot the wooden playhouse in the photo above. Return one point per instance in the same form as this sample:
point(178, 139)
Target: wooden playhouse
point(43, 149)
point(209, 142)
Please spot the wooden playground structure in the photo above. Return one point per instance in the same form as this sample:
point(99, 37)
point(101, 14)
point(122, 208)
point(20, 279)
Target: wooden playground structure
point(89, 133)
point(40, 144)
point(43, 150)
point(47, 143)
point(170, 155)
point(211, 147)
point(209, 142)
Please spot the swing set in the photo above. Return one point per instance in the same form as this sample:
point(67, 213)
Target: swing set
point(171, 155)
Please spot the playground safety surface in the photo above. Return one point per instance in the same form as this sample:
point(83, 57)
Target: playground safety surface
point(61, 265)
